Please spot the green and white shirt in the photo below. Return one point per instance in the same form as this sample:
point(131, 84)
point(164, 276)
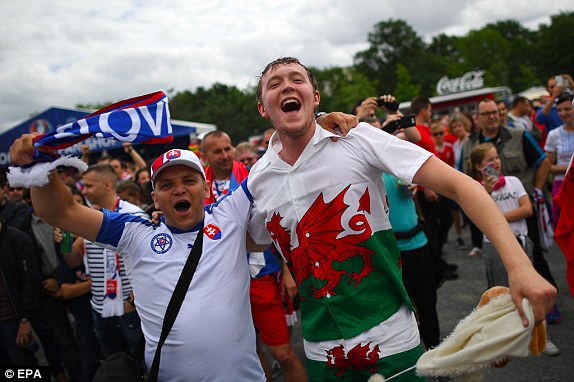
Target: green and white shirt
point(328, 215)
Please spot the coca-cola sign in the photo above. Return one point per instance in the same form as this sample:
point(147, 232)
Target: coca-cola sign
point(469, 81)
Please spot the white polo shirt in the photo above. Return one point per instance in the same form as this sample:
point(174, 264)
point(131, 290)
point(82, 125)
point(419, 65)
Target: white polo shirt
point(213, 338)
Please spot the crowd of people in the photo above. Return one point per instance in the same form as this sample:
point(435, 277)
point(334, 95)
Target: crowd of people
point(93, 258)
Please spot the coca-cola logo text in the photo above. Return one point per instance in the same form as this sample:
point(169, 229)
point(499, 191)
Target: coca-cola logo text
point(469, 81)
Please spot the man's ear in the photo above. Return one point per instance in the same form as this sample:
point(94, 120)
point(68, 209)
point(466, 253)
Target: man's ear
point(206, 189)
point(262, 111)
point(316, 99)
point(154, 198)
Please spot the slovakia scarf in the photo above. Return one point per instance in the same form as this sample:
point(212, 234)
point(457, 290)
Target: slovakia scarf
point(143, 119)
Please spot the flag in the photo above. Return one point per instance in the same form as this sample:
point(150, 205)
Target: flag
point(564, 233)
point(143, 119)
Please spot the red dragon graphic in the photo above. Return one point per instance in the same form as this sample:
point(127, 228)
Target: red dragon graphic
point(358, 358)
point(319, 246)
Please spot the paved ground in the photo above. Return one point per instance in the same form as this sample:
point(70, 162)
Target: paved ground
point(457, 298)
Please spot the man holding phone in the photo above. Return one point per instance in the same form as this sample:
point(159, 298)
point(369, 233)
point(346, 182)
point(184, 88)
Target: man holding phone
point(548, 115)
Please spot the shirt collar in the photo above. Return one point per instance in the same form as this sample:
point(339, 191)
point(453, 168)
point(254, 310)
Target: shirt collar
point(318, 140)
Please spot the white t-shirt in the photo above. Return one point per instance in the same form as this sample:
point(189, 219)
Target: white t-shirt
point(213, 338)
point(560, 142)
point(506, 197)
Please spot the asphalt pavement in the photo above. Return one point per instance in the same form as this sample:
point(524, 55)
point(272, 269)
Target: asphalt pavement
point(457, 298)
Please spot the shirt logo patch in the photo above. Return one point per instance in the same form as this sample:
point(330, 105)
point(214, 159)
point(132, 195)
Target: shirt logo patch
point(212, 231)
point(161, 243)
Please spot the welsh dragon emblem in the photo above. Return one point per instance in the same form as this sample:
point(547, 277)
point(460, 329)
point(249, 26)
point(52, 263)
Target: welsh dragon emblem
point(359, 358)
point(319, 245)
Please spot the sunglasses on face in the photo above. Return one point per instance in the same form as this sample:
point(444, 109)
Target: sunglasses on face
point(11, 189)
point(438, 133)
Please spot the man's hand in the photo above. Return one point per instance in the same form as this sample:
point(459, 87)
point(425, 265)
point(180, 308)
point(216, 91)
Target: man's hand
point(345, 122)
point(24, 335)
point(430, 195)
point(156, 217)
point(527, 283)
point(22, 150)
point(50, 286)
point(289, 287)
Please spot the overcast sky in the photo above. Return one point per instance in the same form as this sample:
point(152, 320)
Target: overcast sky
point(61, 53)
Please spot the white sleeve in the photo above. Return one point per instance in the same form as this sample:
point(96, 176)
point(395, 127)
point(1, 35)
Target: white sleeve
point(551, 144)
point(389, 153)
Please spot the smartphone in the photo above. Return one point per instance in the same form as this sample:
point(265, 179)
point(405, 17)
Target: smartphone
point(559, 81)
point(391, 106)
point(489, 171)
point(402, 123)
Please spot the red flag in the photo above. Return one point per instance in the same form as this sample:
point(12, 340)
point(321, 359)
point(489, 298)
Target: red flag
point(564, 233)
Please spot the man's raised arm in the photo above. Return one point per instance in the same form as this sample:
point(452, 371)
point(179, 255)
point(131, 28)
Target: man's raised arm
point(54, 202)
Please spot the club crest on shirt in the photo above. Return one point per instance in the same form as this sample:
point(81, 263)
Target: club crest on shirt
point(161, 243)
point(212, 231)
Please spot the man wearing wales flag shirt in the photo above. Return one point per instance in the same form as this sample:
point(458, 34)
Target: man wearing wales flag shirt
point(323, 203)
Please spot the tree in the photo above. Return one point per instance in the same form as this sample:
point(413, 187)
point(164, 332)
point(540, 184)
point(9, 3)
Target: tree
point(553, 50)
point(341, 87)
point(405, 89)
point(392, 42)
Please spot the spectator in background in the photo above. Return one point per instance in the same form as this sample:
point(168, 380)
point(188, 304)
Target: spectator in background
point(14, 214)
point(548, 115)
point(142, 176)
point(131, 192)
point(265, 141)
point(223, 171)
point(520, 117)
point(560, 147)
point(14, 194)
point(19, 290)
point(246, 154)
point(502, 112)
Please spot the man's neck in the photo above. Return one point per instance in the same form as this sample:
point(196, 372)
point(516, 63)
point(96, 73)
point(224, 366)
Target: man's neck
point(293, 146)
point(221, 175)
point(490, 134)
point(110, 202)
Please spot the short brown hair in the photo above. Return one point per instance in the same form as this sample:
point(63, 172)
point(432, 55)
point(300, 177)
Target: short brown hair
point(284, 61)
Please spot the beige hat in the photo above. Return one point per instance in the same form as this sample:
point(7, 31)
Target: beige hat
point(490, 334)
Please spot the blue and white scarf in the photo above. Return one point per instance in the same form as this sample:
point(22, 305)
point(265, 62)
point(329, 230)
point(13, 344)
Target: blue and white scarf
point(143, 119)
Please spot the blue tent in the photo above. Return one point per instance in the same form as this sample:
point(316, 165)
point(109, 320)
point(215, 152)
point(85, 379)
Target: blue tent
point(53, 117)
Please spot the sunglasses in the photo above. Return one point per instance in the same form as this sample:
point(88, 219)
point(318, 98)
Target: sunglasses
point(15, 189)
point(438, 133)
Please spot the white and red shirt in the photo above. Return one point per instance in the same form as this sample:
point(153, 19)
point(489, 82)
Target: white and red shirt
point(213, 338)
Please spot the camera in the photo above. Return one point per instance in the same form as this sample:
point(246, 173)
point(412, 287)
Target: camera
point(401, 123)
point(391, 106)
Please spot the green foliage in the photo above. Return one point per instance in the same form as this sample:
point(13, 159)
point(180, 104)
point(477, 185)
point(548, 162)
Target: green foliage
point(553, 48)
point(405, 89)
